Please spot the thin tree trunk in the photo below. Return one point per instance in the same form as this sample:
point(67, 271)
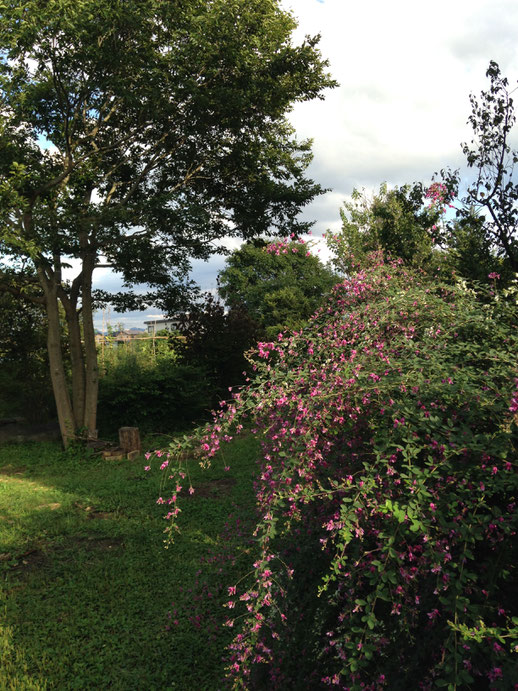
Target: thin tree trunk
point(57, 369)
point(78, 364)
point(92, 367)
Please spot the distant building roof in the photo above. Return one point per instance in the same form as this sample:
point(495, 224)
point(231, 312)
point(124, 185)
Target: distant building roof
point(165, 323)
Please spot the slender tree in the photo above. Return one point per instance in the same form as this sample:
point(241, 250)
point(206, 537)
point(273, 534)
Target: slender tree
point(489, 208)
point(134, 134)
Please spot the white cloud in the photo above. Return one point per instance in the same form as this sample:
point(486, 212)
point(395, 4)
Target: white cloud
point(406, 69)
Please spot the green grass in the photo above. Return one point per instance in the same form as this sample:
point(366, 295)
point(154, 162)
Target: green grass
point(87, 584)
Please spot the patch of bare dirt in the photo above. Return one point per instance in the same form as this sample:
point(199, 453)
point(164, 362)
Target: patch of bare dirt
point(13, 470)
point(36, 558)
point(94, 513)
point(215, 488)
point(55, 505)
point(100, 514)
point(33, 558)
point(103, 544)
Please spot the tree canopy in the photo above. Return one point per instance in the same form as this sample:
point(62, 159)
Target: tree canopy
point(401, 221)
point(479, 239)
point(133, 135)
point(487, 216)
point(280, 285)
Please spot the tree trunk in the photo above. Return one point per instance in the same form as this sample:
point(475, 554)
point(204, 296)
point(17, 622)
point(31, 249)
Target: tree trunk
point(77, 363)
point(92, 367)
point(57, 369)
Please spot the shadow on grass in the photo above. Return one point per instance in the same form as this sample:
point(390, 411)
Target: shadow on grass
point(90, 598)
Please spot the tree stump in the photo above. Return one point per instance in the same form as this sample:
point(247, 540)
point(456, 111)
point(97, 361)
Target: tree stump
point(129, 439)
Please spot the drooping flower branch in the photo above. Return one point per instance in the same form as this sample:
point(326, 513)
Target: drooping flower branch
point(386, 492)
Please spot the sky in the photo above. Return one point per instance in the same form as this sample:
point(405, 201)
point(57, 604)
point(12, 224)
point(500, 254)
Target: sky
point(405, 69)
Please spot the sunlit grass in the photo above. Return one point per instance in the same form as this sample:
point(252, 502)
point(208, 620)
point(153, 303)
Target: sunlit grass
point(87, 584)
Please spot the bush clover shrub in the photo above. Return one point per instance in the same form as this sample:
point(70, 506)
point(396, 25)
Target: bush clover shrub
point(387, 492)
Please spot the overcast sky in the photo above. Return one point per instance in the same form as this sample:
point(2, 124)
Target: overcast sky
point(405, 69)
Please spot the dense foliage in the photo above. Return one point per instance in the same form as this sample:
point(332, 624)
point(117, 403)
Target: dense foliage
point(147, 385)
point(24, 382)
point(387, 492)
point(215, 340)
point(134, 134)
point(280, 285)
point(399, 221)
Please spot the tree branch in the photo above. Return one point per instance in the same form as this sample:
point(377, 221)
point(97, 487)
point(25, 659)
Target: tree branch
point(19, 292)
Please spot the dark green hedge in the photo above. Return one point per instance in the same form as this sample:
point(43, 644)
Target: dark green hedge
point(162, 398)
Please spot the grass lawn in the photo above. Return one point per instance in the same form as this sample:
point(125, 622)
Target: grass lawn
point(89, 597)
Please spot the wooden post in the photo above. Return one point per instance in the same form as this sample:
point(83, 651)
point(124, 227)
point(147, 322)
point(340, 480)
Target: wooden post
point(129, 439)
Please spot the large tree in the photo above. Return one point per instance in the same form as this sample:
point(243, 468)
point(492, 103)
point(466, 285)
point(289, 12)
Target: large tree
point(279, 285)
point(134, 134)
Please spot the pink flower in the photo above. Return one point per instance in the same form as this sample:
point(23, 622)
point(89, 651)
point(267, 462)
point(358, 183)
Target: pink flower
point(495, 673)
point(514, 401)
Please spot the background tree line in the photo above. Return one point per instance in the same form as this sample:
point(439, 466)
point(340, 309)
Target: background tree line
point(466, 224)
point(264, 291)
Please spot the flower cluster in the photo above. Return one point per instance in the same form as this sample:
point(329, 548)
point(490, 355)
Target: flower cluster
point(292, 244)
point(514, 400)
point(386, 494)
point(437, 193)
